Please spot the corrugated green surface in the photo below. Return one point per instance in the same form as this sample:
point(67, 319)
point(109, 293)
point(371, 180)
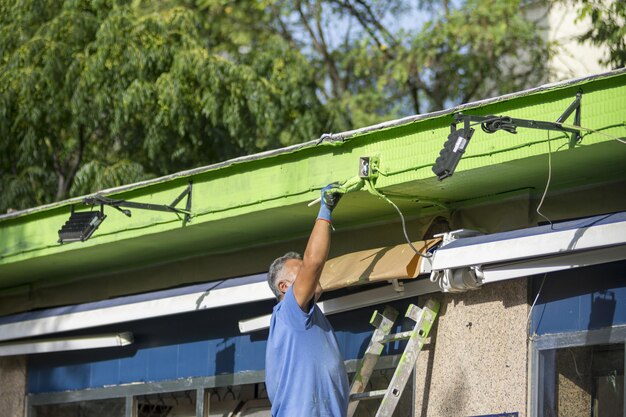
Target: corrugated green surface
point(264, 200)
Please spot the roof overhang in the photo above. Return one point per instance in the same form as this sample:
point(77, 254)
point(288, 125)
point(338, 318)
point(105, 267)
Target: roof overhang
point(262, 199)
point(464, 261)
point(356, 268)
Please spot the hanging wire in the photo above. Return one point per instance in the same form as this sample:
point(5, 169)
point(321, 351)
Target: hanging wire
point(593, 131)
point(530, 312)
point(377, 193)
point(578, 373)
point(545, 191)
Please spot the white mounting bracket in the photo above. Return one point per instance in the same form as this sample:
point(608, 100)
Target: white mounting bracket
point(397, 285)
point(449, 237)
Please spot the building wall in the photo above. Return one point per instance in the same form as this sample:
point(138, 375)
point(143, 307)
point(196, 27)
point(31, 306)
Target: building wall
point(561, 28)
point(12, 386)
point(572, 59)
point(476, 361)
point(199, 344)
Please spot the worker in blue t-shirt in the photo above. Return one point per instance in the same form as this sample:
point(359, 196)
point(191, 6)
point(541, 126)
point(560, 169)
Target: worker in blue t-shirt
point(304, 371)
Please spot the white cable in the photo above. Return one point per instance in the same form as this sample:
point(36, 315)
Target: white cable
point(593, 131)
point(530, 312)
point(575, 363)
point(548, 182)
point(406, 236)
point(377, 193)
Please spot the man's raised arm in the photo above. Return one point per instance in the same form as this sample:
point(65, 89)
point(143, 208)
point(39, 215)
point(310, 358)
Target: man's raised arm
point(316, 250)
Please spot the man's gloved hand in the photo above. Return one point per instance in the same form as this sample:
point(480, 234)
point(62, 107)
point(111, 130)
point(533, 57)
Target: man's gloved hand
point(331, 194)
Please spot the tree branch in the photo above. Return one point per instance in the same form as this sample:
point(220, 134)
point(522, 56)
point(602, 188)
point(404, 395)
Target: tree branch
point(283, 31)
point(376, 22)
point(364, 24)
point(337, 83)
point(67, 175)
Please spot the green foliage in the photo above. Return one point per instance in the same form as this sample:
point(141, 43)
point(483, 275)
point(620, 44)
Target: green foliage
point(384, 60)
point(100, 176)
point(95, 94)
point(608, 28)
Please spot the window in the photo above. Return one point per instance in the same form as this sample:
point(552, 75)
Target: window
point(239, 400)
point(171, 404)
point(577, 377)
point(114, 407)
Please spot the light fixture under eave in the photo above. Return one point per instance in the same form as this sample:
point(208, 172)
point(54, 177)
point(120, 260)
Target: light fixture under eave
point(23, 347)
point(81, 225)
point(452, 151)
point(455, 145)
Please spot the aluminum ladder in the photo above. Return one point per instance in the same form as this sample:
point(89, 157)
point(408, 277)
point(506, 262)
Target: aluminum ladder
point(424, 319)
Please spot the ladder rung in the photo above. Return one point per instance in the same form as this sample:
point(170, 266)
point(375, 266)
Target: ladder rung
point(390, 396)
point(370, 395)
point(397, 336)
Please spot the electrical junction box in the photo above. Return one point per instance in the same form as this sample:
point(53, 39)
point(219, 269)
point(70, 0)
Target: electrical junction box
point(368, 167)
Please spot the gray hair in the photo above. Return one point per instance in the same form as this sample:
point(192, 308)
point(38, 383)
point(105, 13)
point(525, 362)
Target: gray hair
point(276, 271)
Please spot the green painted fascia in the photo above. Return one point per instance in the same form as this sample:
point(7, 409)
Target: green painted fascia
point(260, 188)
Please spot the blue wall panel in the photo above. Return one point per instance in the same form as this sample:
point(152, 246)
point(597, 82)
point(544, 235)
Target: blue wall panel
point(162, 363)
point(132, 369)
point(74, 376)
point(103, 372)
point(580, 299)
point(193, 359)
point(202, 343)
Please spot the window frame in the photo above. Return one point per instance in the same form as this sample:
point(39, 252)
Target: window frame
point(541, 343)
point(130, 392)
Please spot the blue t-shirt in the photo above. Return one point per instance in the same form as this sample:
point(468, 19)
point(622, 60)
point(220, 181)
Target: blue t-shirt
point(304, 371)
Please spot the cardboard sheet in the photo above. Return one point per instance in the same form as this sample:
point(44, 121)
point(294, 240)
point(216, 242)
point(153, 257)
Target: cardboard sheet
point(372, 265)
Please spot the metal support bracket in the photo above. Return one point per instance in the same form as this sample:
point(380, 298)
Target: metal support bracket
point(398, 285)
point(491, 124)
point(171, 208)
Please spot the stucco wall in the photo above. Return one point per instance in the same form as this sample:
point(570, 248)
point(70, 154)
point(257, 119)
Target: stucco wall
point(12, 386)
point(475, 363)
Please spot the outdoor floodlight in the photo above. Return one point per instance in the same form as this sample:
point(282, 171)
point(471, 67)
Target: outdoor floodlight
point(457, 141)
point(81, 225)
point(452, 151)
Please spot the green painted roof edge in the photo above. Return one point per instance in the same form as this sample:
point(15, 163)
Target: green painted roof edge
point(331, 139)
point(242, 200)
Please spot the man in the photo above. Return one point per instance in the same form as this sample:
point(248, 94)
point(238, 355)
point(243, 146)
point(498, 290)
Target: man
point(304, 371)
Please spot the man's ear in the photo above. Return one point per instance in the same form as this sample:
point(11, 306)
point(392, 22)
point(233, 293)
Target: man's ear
point(282, 286)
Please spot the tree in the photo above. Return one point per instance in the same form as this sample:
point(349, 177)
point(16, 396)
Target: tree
point(97, 94)
point(384, 60)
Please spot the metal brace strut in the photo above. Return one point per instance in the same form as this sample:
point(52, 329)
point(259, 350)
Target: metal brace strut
point(491, 124)
point(171, 208)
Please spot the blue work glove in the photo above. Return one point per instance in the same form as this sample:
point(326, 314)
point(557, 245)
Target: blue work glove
point(329, 200)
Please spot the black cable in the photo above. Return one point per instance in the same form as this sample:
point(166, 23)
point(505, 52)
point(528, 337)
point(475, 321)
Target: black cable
point(498, 123)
